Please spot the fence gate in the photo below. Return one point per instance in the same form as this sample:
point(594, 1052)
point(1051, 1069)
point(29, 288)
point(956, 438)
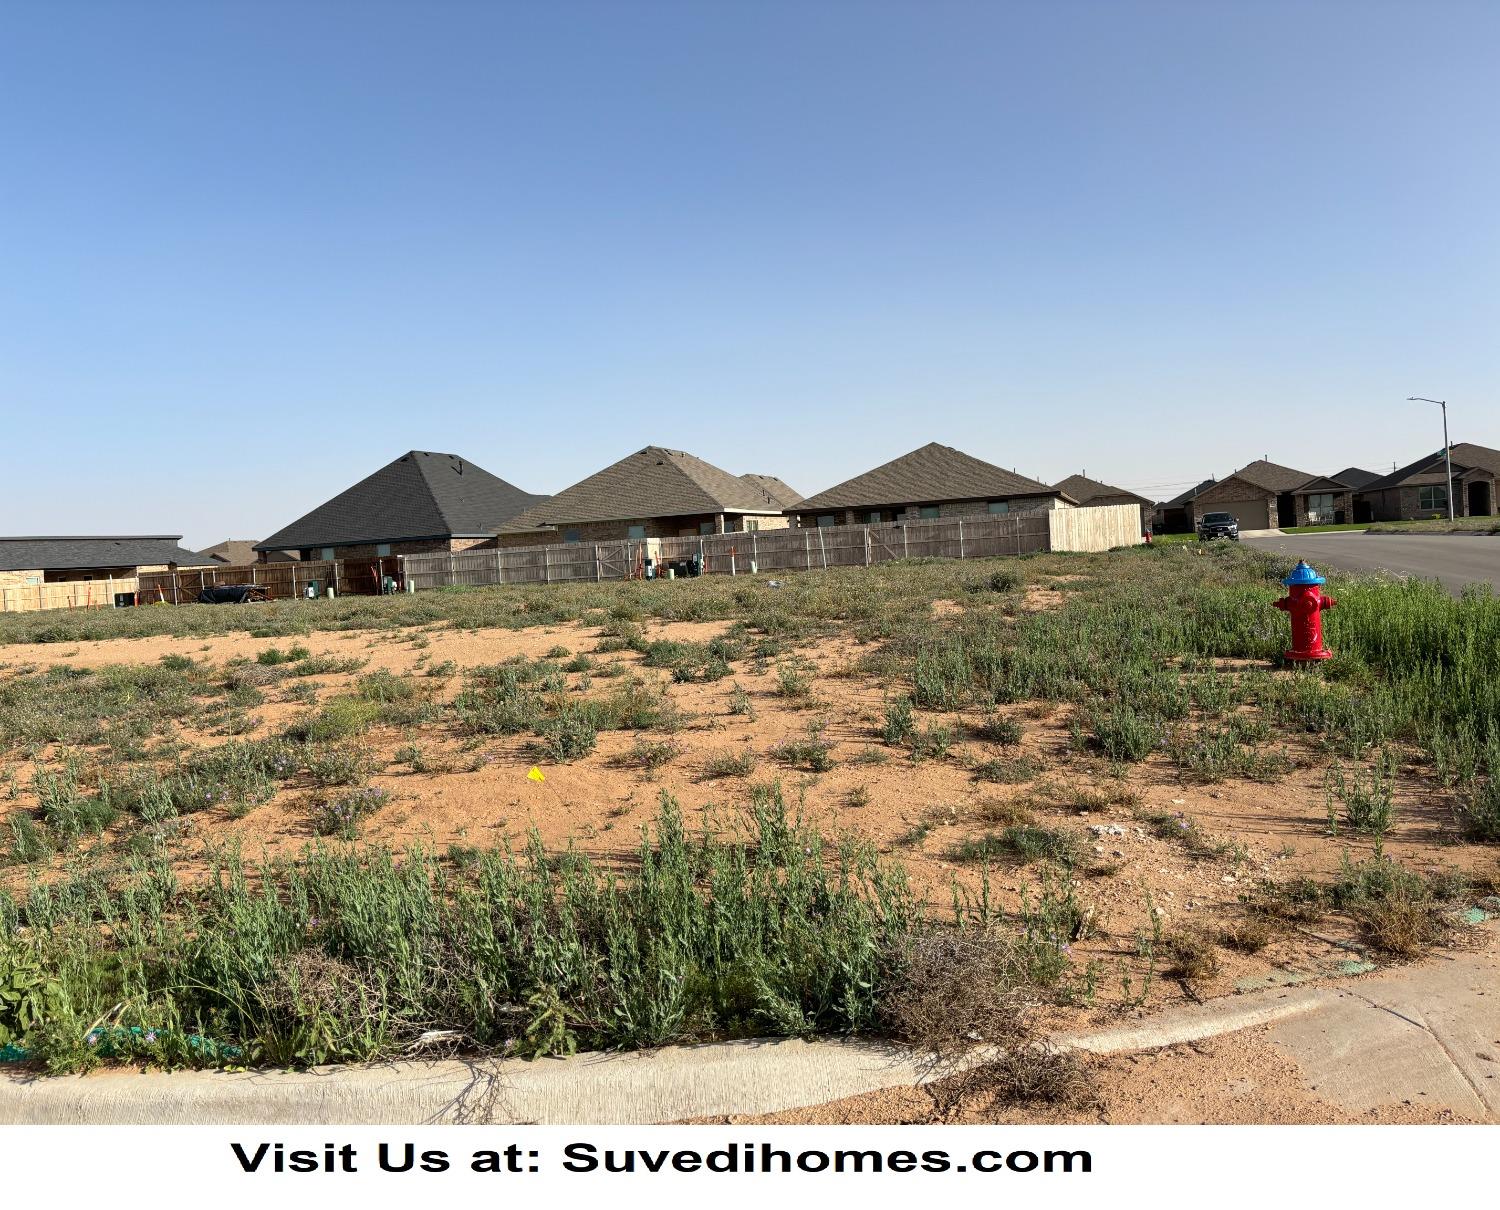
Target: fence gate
point(614, 560)
point(887, 542)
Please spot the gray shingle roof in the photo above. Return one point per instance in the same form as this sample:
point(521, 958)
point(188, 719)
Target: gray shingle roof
point(784, 495)
point(419, 495)
point(238, 552)
point(1355, 477)
point(931, 474)
point(1192, 493)
point(653, 482)
point(67, 553)
point(1083, 489)
point(1464, 455)
point(1271, 476)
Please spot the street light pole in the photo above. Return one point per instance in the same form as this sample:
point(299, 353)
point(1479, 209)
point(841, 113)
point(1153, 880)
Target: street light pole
point(1447, 449)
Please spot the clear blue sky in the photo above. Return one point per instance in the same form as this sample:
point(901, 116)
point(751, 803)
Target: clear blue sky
point(250, 252)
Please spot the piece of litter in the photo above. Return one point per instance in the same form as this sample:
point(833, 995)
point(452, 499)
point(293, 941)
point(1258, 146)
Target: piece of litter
point(536, 774)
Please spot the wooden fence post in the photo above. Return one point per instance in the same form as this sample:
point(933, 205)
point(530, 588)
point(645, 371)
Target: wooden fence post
point(807, 549)
point(960, 537)
point(867, 546)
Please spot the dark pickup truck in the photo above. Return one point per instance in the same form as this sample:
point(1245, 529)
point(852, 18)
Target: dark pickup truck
point(1218, 525)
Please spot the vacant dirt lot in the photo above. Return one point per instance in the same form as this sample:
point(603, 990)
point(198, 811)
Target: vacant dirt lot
point(1164, 874)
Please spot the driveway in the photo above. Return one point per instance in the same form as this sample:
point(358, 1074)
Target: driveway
point(1452, 559)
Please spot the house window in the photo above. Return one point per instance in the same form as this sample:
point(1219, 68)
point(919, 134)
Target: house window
point(382, 550)
point(1319, 508)
point(705, 527)
point(875, 518)
point(827, 519)
point(572, 535)
point(752, 527)
point(636, 533)
point(1432, 499)
point(928, 512)
point(999, 506)
point(327, 554)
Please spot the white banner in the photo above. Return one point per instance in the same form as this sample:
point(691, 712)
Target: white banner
point(728, 1167)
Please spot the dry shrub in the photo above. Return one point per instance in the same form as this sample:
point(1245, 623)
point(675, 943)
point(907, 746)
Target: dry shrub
point(1402, 926)
point(1035, 1075)
point(242, 675)
point(950, 991)
point(1002, 814)
point(1190, 956)
point(1249, 935)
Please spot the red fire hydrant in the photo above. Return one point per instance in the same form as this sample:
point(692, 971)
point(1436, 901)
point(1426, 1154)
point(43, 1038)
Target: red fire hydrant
point(1305, 603)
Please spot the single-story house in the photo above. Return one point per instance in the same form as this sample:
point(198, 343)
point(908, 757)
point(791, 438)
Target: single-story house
point(1420, 489)
point(421, 503)
point(652, 493)
point(1174, 516)
point(1262, 495)
point(240, 552)
point(28, 562)
point(1090, 493)
point(931, 482)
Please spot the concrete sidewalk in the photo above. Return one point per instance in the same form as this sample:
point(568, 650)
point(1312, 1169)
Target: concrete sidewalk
point(1427, 1034)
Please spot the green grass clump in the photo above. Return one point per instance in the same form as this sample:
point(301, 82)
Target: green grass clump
point(1123, 733)
point(1007, 771)
point(997, 729)
point(275, 655)
point(649, 755)
point(728, 764)
point(900, 723)
point(343, 815)
point(350, 955)
point(341, 718)
point(566, 736)
point(1022, 843)
point(1366, 797)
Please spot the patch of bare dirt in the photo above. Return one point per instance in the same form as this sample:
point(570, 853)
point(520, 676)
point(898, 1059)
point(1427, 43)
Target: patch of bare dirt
point(1238, 1079)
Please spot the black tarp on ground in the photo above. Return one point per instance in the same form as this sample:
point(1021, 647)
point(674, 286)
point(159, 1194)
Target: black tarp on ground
point(231, 594)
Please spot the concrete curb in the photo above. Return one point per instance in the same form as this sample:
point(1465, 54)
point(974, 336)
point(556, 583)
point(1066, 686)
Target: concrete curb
point(660, 1086)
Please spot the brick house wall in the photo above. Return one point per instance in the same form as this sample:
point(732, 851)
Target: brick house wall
point(655, 527)
point(21, 579)
point(1404, 503)
point(1230, 491)
point(913, 512)
point(1343, 502)
point(370, 550)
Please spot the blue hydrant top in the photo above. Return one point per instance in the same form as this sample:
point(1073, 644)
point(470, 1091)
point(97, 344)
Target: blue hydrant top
point(1303, 574)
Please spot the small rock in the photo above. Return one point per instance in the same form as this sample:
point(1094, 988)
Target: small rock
point(1115, 852)
point(1229, 878)
point(1107, 829)
point(1177, 802)
point(1098, 848)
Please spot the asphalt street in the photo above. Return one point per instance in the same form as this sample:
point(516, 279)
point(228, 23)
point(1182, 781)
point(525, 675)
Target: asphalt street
point(1453, 559)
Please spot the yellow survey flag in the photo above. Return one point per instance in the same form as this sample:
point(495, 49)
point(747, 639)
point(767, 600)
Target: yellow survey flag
point(536, 774)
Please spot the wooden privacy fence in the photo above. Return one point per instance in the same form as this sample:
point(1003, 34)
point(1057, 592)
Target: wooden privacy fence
point(280, 581)
point(530, 564)
point(811, 549)
point(73, 594)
